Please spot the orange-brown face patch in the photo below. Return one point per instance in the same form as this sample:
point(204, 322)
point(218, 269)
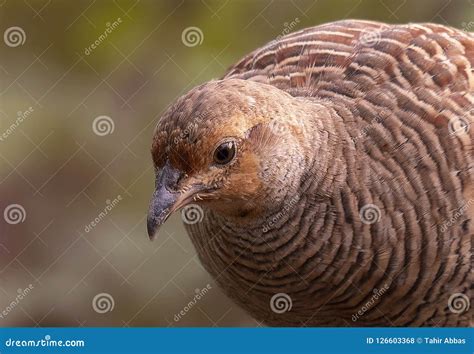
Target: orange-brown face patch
point(191, 147)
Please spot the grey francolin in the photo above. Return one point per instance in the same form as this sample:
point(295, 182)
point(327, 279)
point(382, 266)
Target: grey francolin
point(334, 171)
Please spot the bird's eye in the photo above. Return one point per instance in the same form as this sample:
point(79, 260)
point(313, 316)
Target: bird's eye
point(224, 153)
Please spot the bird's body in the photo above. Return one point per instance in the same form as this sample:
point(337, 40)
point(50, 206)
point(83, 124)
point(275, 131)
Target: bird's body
point(353, 190)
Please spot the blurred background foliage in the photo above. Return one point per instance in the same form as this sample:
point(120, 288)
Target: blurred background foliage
point(63, 174)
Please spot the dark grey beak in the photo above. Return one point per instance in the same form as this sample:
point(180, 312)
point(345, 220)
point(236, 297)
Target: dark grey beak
point(164, 200)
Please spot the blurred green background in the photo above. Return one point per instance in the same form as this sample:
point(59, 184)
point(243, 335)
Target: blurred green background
point(61, 166)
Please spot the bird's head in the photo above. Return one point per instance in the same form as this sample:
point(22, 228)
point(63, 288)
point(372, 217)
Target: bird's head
point(232, 145)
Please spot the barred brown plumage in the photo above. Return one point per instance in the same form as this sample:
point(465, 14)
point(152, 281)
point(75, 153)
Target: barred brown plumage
point(353, 174)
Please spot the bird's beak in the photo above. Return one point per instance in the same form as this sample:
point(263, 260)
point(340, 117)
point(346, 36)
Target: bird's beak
point(165, 199)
